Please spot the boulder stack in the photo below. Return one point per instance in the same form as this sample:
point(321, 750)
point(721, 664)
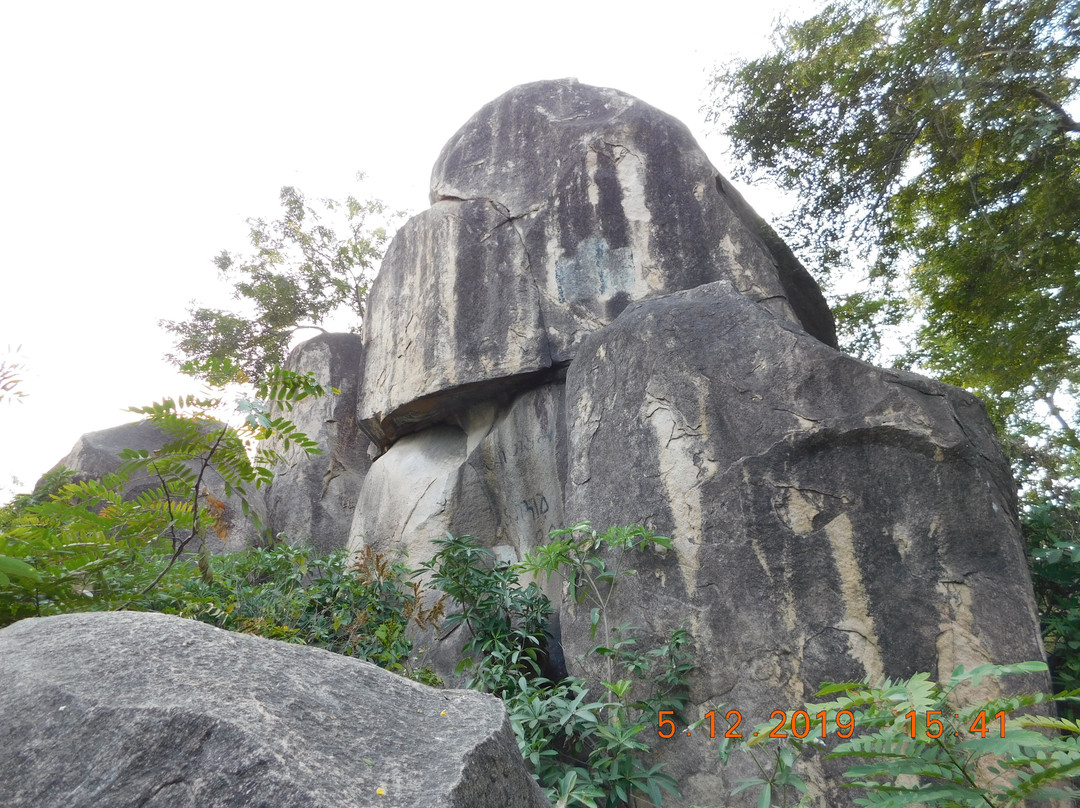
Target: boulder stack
point(590, 324)
point(554, 207)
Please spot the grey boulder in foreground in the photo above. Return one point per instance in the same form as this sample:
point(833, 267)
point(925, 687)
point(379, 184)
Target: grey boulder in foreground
point(126, 709)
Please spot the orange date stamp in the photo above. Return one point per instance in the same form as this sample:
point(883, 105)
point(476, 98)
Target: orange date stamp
point(799, 725)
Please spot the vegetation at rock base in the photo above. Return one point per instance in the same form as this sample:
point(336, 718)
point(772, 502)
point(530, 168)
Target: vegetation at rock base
point(77, 545)
point(584, 746)
point(312, 263)
point(361, 607)
point(916, 742)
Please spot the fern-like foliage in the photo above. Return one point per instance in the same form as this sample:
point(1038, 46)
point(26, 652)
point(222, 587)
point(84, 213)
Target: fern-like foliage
point(91, 544)
point(585, 749)
point(915, 742)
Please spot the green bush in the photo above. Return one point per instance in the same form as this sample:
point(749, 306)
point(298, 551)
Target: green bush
point(1052, 531)
point(360, 609)
point(585, 750)
point(88, 548)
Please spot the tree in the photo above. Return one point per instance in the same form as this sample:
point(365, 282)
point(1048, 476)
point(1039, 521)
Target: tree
point(301, 271)
point(932, 153)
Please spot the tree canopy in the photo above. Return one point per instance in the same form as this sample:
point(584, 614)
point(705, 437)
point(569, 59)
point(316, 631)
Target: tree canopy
point(302, 269)
point(931, 149)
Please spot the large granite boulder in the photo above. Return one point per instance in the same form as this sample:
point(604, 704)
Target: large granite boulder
point(97, 454)
point(122, 709)
point(313, 497)
point(552, 208)
point(830, 520)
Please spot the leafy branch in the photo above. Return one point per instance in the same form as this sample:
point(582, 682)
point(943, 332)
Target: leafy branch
point(585, 751)
point(61, 549)
point(312, 263)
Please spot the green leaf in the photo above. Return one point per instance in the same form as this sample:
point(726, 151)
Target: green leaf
point(765, 798)
point(16, 568)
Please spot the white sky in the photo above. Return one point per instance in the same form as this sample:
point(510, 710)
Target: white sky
point(135, 138)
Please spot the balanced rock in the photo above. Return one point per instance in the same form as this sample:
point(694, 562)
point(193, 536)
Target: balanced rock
point(552, 208)
point(589, 324)
point(122, 709)
point(497, 471)
point(312, 497)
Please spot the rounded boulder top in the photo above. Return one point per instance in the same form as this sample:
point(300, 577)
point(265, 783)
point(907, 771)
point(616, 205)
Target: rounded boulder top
point(516, 147)
point(553, 208)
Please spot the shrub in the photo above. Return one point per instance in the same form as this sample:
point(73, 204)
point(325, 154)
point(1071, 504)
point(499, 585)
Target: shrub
point(360, 609)
point(584, 750)
point(83, 545)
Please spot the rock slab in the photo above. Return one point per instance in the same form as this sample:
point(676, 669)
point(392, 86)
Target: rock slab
point(830, 520)
point(121, 709)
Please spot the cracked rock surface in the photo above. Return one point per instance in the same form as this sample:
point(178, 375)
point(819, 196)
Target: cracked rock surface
point(112, 710)
point(554, 207)
point(313, 497)
point(830, 520)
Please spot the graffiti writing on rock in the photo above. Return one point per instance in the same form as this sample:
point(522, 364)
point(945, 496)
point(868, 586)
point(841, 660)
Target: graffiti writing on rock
point(535, 507)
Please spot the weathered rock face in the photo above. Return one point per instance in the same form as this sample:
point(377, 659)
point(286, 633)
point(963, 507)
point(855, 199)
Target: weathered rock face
point(497, 472)
point(312, 498)
point(97, 454)
point(588, 324)
point(121, 709)
point(552, 208)
point(831, 520)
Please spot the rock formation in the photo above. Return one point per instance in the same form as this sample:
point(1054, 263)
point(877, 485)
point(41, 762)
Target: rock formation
point(831, 520)
point(120, 709)
point(552, 208)
point(312, 498)
point(590, 324)
point(97, 454)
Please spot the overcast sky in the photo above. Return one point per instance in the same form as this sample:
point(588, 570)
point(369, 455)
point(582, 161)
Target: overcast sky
point(136, 138)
